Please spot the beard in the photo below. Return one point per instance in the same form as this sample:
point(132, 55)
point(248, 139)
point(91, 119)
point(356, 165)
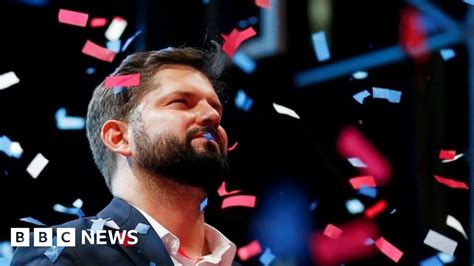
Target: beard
point(168, 157)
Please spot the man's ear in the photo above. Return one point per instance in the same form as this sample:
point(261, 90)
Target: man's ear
point(114, 135)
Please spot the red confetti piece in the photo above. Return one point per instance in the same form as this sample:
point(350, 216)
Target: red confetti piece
point(451, 183)
point(231, 148)
point(413, 35)
point(351, 143)
point(375, 209)
point(222, 191)
point(447, 154)
point(98, 22)
point(98, 52)
point(348, 247)
point(250, 250)
point(122, 81)
point(242, 200)
point(332, 231)
point(362, 181)
point(388, 249)
point(263, 3)
point(233, 40)
point(73, 17)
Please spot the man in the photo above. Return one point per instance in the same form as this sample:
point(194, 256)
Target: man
point(161, 149)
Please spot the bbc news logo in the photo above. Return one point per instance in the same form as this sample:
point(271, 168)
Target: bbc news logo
point(66, 237)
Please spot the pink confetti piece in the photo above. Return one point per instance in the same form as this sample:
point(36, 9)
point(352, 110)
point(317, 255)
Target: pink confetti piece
point(263, 3)
point(375, 209)
point(250, 250)
point(362, 181)
point(241, 200)
point(233, 40)
point(388, 249)
point(98, 52)
point(451, 183)
point(351, 143)
point(332, 231)
point(122, 81)
point(222, 191)
point(98, 22)
point(413, 35)
point(348, 247)
point(447, 154)
point(73, 17)
point(231, 148)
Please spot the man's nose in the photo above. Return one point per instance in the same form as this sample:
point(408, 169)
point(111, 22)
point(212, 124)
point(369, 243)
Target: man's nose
point(208, 115)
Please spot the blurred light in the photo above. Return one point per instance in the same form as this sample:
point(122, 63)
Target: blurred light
point(354, 206)
point(247, 64)
point(34, 3)
point(90, 70)
point(16, 150)
point(447, 54)
point(445, 258)
point(242, 101)
point(360, 75)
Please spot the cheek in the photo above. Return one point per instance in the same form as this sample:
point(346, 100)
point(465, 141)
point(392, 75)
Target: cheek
point(223, 136)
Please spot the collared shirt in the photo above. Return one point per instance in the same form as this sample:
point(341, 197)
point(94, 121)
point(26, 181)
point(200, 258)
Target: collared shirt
point(222, 249)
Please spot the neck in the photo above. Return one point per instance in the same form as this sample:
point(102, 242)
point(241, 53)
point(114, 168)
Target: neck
point(173, 205)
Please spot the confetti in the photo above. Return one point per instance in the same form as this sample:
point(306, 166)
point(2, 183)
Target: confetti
point(67, 210)
point(360, 75)
point(233, 40)
point(98, 52)
point(77, 203)
point(244, 62)
point(392, 96)
point(413, 35)
point(115, 29)
point(354, 206)
point(445, 258)
point(250, 250)
point(454, 223)
point(360, 96)
point(447, 54)
point(267, 257)
point(32, 220)
point(130, 40)
point(231, 148)
point(16, 150)
point(98, 22)
point(447, 154)
point(320, 46)
point(451, 183)
point(368, 191)
point(112, 224)
point(242, 101)
point(114, 45)
point(8, 79)
point(440, 242)
point(351, 143)
point(263, 3)
point(376, 209)
point(313, 205)
point(5, 144)
point(222, 191)
point(285, 110)
point(64, 122)
point(73, 17)
point(37, 165)
point(123, 80)
point(98, 224)
point(203, 205)
point(431, 261)
point(388, 249)
point(453, 159)
point(332, 231)
point(53, 253)
point(237, 201)
point(356, 162)
point(362, 181)
point(142, 228)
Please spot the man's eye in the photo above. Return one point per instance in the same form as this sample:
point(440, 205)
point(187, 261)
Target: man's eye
point(178, 101)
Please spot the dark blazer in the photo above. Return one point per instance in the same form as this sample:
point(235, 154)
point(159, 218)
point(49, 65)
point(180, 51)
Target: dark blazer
point(149, 249)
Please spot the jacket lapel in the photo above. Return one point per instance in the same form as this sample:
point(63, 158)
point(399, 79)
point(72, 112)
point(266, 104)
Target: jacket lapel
point(149, 247)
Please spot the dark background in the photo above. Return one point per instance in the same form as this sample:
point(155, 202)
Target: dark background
point(287, 163)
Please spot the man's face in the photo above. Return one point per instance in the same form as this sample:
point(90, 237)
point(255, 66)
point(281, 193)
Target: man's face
point(178, 134)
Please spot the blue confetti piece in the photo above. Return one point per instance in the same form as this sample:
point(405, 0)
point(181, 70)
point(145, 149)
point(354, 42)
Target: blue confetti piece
point(360, 96)
point(208, 136)
point(90, 70)
point(244, 62)
point(32, 220)
point(379, 93)
point(394, 96)
point(432, 261)
point(73, 211)
point(142, 228)
point(98, 225)
point(447, 54)
point(114, 45)
point(118, 90)
point(445, 258)
point(267, 257)
point(354, 206)
point(242, 101)
point(130, 40)
point(6, 250)
point(203, 204)
point(64, 122)
point(320, 46)
point(313, 205)
point(152, 263)
point(53, 253)
point(360, 75)
point(368, 191)
point(471, 2)
point(5, 144)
